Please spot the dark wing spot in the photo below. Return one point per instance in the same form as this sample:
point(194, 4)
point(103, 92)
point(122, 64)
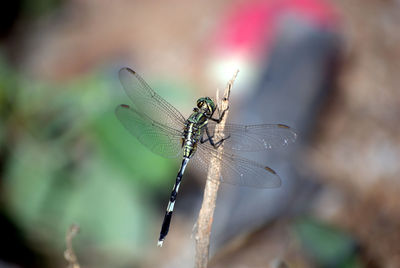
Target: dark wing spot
point(130, 70)
point(283, 126)
point(122, 71)
point(270, 170)
point(125, 106)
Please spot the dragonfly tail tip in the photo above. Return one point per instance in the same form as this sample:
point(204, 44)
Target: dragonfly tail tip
point(160, 243)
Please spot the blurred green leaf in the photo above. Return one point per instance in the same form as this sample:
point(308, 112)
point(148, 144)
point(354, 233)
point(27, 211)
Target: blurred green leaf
point(32, 9)
point(328, 246)
point(71, 161)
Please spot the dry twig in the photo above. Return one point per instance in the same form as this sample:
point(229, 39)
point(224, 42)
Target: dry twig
point(206, 213)
point(69, 253)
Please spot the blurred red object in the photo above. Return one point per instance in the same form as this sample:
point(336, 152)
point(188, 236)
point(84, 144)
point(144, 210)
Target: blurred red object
point(249, 27)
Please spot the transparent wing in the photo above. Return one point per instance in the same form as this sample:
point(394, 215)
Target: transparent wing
point(237, 170)
point(254, 137)
point(149, 102)
point(159, 138)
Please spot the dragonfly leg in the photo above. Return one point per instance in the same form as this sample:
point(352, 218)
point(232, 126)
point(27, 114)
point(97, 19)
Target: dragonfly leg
point(221, 116)
point(211, 140)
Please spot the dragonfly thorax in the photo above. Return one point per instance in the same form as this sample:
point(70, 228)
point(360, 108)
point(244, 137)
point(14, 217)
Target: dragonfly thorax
point(192, 132)
point(195, 124)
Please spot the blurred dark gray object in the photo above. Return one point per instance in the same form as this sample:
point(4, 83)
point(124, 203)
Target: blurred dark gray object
point(297, 75)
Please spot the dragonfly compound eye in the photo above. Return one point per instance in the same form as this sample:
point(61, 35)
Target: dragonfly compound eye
point(210, 105)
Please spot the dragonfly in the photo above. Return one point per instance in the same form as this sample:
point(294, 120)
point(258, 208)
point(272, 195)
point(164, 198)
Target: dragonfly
point(161, 128)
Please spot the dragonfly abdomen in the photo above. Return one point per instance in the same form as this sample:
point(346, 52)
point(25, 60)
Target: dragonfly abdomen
point(171, 203)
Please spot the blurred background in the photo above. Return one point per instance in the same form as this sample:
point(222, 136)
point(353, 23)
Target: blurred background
point(326, 68)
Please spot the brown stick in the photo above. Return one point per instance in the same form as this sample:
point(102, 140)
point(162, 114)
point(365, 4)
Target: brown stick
point(204, 221)
point(69, 253)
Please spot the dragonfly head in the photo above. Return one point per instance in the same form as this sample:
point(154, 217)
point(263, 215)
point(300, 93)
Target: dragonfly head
point(206, 105)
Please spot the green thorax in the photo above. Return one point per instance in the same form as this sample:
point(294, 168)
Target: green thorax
point(198, 119)
point(195, 124)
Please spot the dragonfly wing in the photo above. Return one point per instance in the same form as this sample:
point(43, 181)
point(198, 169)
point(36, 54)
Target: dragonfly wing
point(159, 138)
point(147, 101)
point(237, 170)
point(254, 137)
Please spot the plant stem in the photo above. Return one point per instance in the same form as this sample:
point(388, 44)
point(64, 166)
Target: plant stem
point(205, 219)
point(69, 253)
